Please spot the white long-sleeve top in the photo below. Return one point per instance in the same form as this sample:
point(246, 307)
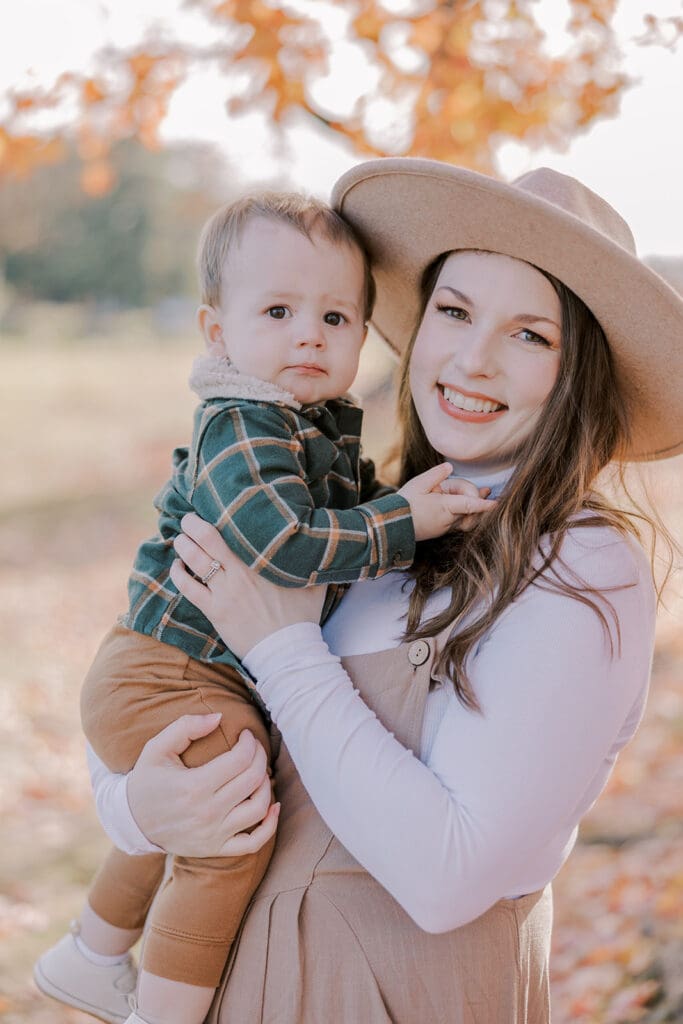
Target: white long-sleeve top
point(491, 807)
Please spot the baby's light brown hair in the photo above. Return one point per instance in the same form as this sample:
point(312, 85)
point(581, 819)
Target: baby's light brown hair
point(303, 213)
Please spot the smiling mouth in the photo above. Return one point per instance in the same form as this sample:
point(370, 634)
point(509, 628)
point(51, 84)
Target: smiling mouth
point(469, 403)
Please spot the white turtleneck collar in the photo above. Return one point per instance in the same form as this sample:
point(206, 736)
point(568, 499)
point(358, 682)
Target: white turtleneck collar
point(494, 475)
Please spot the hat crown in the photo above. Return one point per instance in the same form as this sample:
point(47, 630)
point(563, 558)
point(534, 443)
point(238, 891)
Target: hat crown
point(575, 199)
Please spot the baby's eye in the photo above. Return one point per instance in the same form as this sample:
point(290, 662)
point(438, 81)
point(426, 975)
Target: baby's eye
point(536, 339)
point(278, 312)
point(334, 319)
point(455, 312)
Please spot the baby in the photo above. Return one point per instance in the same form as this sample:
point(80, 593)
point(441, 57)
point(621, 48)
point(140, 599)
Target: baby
point(275, 464)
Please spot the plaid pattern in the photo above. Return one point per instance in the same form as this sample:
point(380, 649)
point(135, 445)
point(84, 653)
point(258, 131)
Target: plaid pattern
point(283, 487)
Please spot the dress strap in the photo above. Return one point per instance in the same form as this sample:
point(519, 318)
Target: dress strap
point(395, 684)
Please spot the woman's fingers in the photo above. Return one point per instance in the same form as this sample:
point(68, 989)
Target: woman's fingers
point(205, 536)
point(236, 773)
point(251, 842)
point(250, 811)
point(233, 786)
point(175, 738)
point(194, 590)
point(194, 556)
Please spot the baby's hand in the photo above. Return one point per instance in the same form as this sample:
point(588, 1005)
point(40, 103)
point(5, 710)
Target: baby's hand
point(439, 504)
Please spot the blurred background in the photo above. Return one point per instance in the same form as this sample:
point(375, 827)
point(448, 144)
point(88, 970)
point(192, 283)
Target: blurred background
point(115, 145)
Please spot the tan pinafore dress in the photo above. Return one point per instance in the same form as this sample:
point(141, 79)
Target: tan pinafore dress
point(323, 943)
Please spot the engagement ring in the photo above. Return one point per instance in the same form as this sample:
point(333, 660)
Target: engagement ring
point(213, 569)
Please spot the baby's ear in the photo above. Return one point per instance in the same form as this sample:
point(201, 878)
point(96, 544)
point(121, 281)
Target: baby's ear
point(210, 325)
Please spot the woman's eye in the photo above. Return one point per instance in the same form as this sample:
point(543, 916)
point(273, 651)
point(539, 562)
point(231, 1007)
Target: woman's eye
point(278, 312)
point(455, 312)
point(334, 319)
point(536, 339)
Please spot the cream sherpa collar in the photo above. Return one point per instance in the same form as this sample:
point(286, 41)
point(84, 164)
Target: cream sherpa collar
point(217, 377)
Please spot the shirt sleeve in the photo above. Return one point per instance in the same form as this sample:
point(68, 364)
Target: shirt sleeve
point(450, 837)
point(113, 809)
point(250, 483)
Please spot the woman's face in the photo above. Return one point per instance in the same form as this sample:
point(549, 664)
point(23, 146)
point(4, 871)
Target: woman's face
point(486, 356)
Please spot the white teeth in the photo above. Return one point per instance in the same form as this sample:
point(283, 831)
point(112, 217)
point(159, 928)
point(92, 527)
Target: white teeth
point(469, 404)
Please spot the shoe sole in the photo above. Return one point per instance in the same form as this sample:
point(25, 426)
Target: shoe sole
point(49, 989)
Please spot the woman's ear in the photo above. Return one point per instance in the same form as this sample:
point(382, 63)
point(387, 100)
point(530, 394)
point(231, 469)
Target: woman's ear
point(210, 325)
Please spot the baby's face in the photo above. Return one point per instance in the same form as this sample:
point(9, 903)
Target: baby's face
point(291, 310)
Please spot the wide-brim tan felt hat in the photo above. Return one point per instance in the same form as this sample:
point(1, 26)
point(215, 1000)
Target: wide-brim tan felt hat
point(409, 211)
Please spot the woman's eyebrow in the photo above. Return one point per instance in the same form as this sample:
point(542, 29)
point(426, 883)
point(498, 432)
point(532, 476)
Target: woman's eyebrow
point(523, 318)
point(533, 318)
point(459, 295)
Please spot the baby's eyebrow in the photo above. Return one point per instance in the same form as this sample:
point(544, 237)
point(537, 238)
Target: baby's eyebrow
point(330, 300)
point(274, 293)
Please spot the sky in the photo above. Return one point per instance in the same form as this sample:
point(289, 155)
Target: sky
point(634, 160)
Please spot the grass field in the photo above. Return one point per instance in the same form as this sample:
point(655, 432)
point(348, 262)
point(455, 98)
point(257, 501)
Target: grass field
point(87, 432)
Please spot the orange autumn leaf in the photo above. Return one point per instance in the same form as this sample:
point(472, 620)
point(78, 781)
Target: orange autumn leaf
point(24, 102)
point(92, 92)
point(370, 21)
point(426, 34)
point(19, 154)
point(141, 65)
point(97, 178)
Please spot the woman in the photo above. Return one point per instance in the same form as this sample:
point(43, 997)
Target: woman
point(512, 660)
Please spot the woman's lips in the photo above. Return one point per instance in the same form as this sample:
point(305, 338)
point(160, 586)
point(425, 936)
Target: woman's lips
point(483, 415)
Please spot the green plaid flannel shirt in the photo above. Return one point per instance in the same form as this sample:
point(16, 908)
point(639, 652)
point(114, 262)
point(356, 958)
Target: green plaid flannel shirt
point(282, 485)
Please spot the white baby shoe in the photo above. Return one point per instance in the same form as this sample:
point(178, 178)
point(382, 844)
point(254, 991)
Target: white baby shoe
point(64, 973)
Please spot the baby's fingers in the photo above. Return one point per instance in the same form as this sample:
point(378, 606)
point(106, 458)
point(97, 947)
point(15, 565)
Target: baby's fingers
point(467, 504)
point(467, 523)
point(458, 485)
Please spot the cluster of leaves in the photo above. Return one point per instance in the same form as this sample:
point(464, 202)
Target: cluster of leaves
point(449, 78)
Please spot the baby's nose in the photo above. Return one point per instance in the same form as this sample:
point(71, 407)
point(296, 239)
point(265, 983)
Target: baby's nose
point(311, 335)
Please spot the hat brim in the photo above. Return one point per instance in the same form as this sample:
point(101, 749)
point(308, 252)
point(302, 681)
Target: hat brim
point(409, 211)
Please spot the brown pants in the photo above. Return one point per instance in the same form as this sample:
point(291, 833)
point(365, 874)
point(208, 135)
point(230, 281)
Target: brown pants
point(135, 687)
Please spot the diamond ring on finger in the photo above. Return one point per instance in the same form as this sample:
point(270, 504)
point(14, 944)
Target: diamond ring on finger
point(213, 569)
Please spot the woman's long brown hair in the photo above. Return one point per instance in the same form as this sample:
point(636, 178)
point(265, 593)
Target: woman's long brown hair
point(583, 427)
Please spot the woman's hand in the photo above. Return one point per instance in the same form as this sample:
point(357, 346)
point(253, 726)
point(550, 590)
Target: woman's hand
point(202, 812)
point(243, 606)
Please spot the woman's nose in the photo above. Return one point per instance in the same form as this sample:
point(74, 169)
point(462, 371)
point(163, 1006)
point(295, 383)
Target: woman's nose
point(476, 353)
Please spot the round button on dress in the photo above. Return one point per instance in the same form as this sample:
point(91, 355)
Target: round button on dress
point(418, 652)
